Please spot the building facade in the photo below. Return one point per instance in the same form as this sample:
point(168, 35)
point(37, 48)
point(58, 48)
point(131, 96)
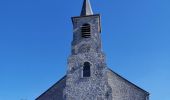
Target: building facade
point(88, 77)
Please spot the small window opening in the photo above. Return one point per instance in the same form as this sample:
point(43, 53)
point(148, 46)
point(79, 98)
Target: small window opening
point(86, 69)
point(86, 31)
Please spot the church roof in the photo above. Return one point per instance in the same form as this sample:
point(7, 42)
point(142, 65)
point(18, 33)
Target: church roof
point(56, 91)
point(127, 81)
point(86, 9)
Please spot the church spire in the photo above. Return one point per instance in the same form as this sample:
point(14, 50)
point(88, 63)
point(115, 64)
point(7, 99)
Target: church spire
point(86, 9)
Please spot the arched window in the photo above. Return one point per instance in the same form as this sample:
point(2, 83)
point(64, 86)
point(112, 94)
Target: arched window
point(86, 69)
point(86, 30)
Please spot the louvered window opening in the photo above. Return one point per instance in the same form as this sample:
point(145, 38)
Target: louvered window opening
point(86, 31)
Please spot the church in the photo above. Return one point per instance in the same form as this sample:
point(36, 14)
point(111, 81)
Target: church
point(88, 76)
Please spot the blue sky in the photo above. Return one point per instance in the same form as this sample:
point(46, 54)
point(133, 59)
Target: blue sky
point(36, 35)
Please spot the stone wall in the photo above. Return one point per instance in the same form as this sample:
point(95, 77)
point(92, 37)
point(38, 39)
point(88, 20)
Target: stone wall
point(94, 87)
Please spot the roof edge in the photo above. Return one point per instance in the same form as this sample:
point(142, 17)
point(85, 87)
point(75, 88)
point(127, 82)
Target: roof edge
point(129, 82)
point(51, 87)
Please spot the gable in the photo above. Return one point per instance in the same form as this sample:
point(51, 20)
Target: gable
point(55, 92)
point(122, 89)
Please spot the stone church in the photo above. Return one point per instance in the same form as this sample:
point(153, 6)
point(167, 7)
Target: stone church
point(88, 77)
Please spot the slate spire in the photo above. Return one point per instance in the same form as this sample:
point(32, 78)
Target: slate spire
point(86, 9)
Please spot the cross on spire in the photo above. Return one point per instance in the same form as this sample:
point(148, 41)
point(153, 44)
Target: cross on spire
point(86, 9)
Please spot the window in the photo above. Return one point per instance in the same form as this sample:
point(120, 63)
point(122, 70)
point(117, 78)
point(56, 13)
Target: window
point(86, 69)
point(85, 30)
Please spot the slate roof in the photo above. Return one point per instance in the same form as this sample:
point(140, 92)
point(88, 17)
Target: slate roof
point(58, 87)
point(128, 82)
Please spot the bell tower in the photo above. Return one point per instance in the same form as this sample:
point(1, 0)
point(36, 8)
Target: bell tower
point(86, 75)
point(87, 29)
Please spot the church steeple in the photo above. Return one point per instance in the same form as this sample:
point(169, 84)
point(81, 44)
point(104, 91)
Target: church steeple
point(86, 36)
point(86, 9)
